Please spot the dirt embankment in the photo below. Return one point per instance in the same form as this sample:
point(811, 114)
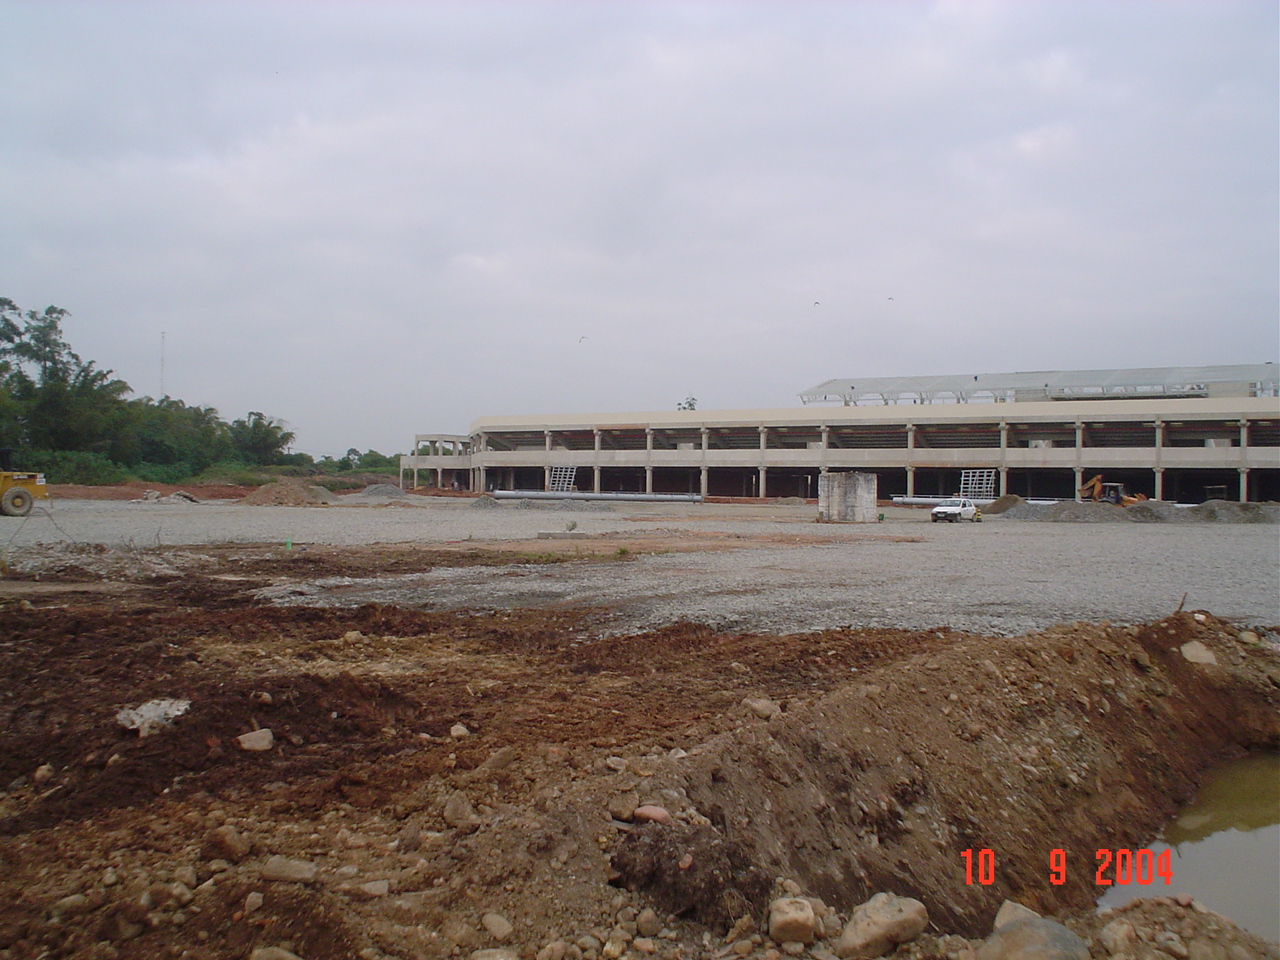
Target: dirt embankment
point(429, 772)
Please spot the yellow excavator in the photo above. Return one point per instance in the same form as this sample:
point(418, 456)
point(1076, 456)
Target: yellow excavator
point(19, 491)
point(1095, 491)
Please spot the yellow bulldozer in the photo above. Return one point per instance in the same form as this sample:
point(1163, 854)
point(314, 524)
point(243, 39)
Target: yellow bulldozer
point(1095, 491)
point(19, 491)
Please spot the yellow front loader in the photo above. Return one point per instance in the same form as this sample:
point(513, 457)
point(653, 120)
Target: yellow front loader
point(18, 490)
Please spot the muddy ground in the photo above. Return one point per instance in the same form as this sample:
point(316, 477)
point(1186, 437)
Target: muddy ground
point(440, 782)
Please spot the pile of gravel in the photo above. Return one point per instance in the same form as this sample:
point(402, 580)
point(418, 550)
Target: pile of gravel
point(1002, 504)
point(381, 491)
point(577, 506)
point(283, 493)
point(1148, 511)
point(1230, 511)
point(484, 502)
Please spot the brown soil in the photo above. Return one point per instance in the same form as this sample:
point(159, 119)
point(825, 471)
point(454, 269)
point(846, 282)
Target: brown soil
point(135, 489)
point(891, 753)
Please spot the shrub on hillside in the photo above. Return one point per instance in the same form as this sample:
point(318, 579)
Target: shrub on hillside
point(69, 466)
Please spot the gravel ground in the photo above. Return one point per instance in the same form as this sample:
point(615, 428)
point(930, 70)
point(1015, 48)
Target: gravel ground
point(1002, 576)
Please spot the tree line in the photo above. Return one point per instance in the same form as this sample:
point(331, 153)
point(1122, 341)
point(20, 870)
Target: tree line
point(65, 416)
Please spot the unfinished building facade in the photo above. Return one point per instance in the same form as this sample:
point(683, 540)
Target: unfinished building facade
point(1182, 434)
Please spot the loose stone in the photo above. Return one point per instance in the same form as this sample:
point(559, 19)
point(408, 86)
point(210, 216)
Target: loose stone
point(1041, 939)
point(762, 707)
point(273, 953)
point(651, 813)
point(1011, 911)
point(227, 843)
point(256, 741)
point(294, 871)
point(499, 927)
point(879, 925)
point(648, 923)
point(1197, 652)
point(792, 920)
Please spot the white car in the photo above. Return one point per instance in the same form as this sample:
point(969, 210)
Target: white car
point(956, 509)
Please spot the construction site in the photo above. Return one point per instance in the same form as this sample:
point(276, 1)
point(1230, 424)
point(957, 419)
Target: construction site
point(684, 722)
point(1170, 433)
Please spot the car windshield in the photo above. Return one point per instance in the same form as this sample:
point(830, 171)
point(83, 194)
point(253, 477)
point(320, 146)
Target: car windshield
point(950, 503)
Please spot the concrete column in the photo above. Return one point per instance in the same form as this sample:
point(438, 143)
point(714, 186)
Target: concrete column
point(1159, 434)
point(482, 479)
point(911, 436)
point(1004, 437)
point(911, 479)
point(826, 436)
point(704, 479)
point(1079, 472)
point(648, 439)
point(1079, 436)
point(596, 435)
point(706, 435)
point(546, 477)
point(595, 473)
point(648, 479)
point(1004, 480)
point(764, 446)
point(1244, 434)
point(547, 436)
point(1159, 483)
point(1244, 484)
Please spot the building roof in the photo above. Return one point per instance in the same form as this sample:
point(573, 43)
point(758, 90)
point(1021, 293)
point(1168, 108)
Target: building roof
point(1239, 380)
point(1171, 408)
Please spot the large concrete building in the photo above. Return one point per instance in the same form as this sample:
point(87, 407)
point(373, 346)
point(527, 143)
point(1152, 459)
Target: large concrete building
point(1174, 433)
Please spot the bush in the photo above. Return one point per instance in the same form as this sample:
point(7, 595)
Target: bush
point(236, 474)
point(338, 484)
point(163, 472)
point(70, 466)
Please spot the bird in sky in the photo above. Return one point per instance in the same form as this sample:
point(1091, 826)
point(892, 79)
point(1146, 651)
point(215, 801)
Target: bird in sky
point(580, 339)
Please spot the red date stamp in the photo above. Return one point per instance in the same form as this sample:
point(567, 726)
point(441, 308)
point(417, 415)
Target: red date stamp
point(1113, 866)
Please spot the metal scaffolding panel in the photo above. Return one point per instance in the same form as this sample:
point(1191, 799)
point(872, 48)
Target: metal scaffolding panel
point(562, 479)
point(978, 484)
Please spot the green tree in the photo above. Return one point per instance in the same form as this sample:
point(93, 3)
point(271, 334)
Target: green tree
point(260, 439)
point(62, 402)
point(62, 410)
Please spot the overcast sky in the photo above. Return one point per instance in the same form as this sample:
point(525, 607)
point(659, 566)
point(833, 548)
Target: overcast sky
point(377, 219)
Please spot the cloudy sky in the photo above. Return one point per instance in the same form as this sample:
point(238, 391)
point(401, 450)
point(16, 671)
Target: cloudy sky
point(376, 219)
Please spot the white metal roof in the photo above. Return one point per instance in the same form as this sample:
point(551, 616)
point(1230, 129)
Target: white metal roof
point(1243, 380)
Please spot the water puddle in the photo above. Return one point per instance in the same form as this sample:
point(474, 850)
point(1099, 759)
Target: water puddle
point(1225, 847)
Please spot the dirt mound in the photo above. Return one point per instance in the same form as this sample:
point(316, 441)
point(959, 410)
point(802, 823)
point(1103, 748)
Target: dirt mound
point(379, 491)
point(1069, 511)
point(429, 769)
point(1230, 511)
point(283, 493)
point(136, 489)
point(1001, 504)
point(485, 502)
point(1156, 511)
point(1148, 511)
